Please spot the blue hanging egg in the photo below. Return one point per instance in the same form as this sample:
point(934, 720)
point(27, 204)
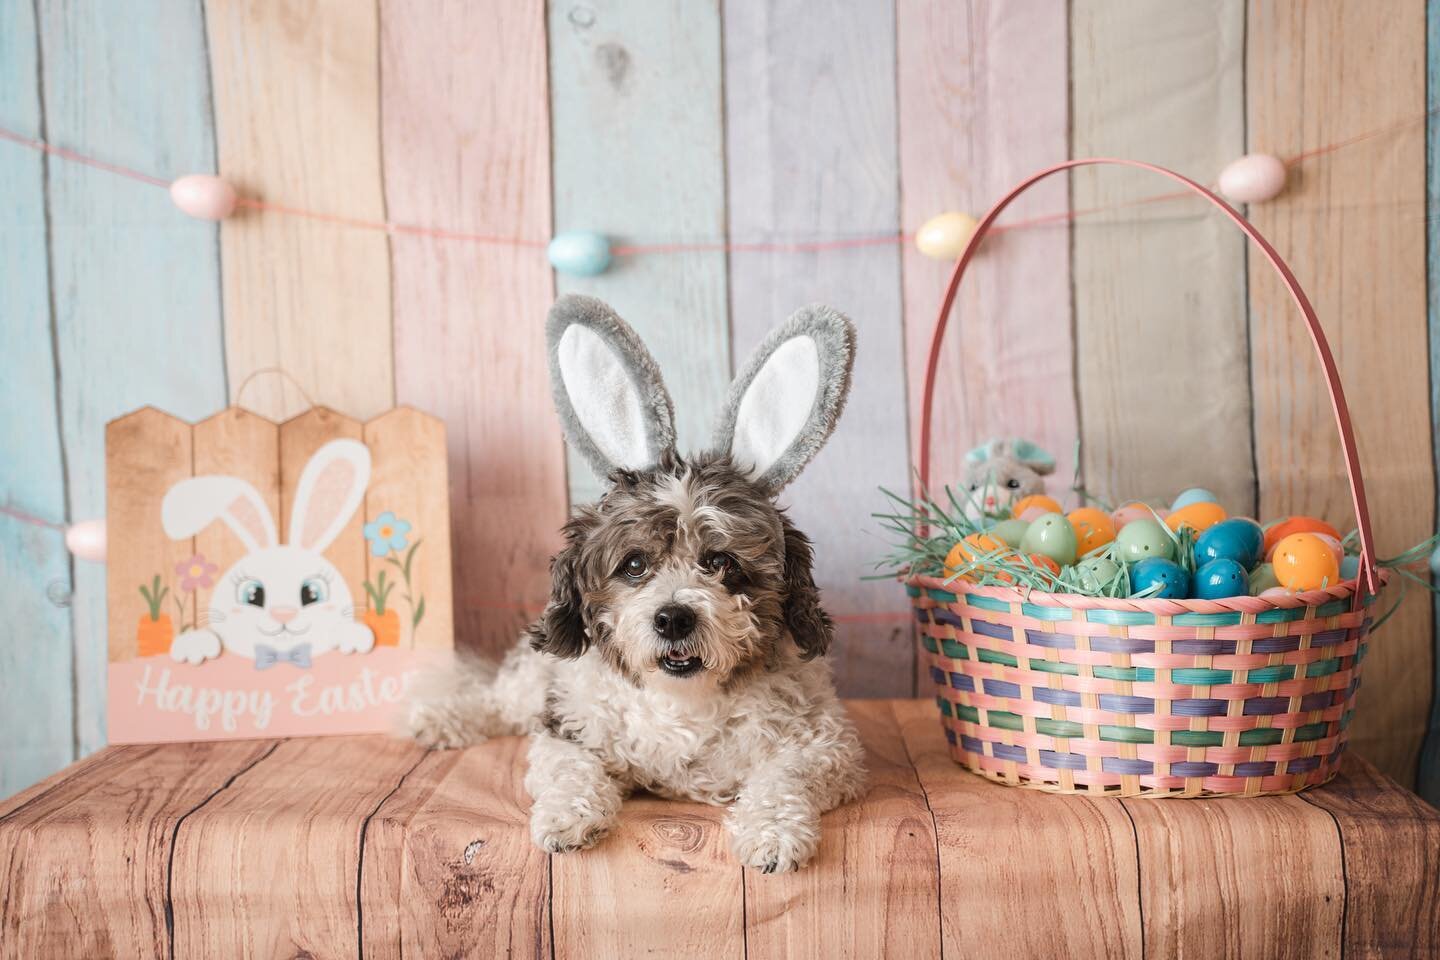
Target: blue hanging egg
point(579, 253)
point(1221, 578)
point(1193, 495)
point(1238, 538)
point(1172, 578)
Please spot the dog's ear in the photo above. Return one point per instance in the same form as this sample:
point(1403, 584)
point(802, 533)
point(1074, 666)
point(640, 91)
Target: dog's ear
point(608, 391)
point(786, 400)
point(560, 631)
point(808, 622)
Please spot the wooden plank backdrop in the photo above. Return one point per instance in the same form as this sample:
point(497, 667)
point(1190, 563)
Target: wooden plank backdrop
point(701, 122)
point(1428, 784)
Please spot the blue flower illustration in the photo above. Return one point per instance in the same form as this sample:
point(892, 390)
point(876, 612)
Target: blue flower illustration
point(386, 532)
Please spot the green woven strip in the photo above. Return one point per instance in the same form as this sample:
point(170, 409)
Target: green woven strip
point(1261, 737)
point(1058, 728)
point(967, 713)
point(1332, 609)
point(1313, 731)
point(986, 603)
point(1361, 652)
point(954, 649)
point(1323, 668)
point(1195, 738)
point(1046, 613)
point(930, 643)
point(945, 706)
point(1142, 674)
point(1005, 720)
point(1345, 720)
point(1280, 615)
point(1200, 676)
point(941, 596)
point(1055, 666)
point(1205, 619)
point(1121, 618)
point(995, 656)
point(912, 590)
point(1126, 734)
point(1275, 674)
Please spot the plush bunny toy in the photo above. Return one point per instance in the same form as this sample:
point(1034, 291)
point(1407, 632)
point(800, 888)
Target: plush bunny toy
point(280, 602)
point(1001, 471)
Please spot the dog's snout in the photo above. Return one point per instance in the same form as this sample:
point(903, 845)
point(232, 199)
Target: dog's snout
point(674, 622)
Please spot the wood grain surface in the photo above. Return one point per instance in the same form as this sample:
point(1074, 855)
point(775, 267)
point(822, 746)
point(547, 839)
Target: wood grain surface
point(37, 711)
point(1160, 329)
point(297, 123)
point(300, 437)
point(810, 147)
point(630, 73)
point(467, 147)
point(1428, 782)
point(135, 287)
point(1350, 226)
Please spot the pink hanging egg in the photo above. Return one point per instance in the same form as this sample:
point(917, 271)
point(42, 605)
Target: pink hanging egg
point(1253, 178)
point(203, 196)
point(86, 540)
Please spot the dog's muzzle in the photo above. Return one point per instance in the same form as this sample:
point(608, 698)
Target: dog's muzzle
point(673, 623)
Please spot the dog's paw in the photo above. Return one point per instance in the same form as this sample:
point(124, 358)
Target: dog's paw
point(774, 846)
point(556, 830)
point(439, 728)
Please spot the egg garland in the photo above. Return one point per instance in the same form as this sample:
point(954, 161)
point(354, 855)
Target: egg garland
point(579, 253)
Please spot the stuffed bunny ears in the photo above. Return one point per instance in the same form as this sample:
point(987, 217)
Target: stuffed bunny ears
point(779, 412)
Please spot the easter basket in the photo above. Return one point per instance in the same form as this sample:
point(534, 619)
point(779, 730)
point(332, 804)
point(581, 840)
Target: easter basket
point(1244, 696)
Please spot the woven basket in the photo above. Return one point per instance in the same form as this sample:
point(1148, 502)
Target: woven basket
point(1245, 696)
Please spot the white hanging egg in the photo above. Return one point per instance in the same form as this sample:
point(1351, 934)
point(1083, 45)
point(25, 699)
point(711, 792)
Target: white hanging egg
point(204, 197)
point(86, 540)
point(944, 237)
point(1253, 178)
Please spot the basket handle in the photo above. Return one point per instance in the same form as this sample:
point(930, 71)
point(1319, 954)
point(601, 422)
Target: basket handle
point(1317, 335)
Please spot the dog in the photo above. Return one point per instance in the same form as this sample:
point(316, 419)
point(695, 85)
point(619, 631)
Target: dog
point(681, 650)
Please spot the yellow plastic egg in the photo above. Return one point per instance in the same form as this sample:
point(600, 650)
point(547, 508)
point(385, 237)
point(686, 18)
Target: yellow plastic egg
point(1093, 528)
point(1048, 505)
point(969, 550)
point(944, 237)
point(1197, 516)
point(1304, 561)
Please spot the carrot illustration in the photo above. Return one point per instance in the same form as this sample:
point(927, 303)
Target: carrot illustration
point(383, 621)
point(155, 631)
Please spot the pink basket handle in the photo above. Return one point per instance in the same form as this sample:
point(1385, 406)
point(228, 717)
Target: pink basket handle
point(1322, 348)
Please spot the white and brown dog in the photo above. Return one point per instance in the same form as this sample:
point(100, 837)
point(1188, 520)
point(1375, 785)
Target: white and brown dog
point(680, 651)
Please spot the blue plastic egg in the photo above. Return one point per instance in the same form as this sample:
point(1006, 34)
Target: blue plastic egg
point(1349, 567)
point(1172, 578)
point(1221, 578)
point(1238, 538)
point(1193, 495)
point(579, 253)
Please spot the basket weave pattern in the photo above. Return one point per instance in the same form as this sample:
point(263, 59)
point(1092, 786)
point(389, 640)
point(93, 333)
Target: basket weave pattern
point(1187, 698)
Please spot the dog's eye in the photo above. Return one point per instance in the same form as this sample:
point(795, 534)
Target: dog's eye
point(718, 562)
point(1013, 483)
point(251, 592)
point(635, 566)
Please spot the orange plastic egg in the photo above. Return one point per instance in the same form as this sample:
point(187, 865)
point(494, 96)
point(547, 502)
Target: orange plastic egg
point(1197, 516)
point(1303, 561)
point(969, 550)
point(1093, 528)
point(1291, 525)
point(1045, 563)
point(1050, 505)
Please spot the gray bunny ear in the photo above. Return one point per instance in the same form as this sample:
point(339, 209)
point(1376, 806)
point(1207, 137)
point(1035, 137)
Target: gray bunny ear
point(786, 400)
point(608, 391)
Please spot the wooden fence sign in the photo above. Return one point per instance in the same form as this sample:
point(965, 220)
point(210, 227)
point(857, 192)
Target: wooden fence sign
point(272, 580)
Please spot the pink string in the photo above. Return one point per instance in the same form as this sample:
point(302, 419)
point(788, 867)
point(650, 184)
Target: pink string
point(30, 518)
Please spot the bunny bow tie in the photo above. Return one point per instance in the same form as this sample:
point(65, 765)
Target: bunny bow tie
point(267, 656)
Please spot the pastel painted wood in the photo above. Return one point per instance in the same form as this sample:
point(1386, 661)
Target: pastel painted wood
point(1346, 225)
point(648, 73)
point(469, 318)
point(37, 712)
point(1159, 287)
point(300, 438)
point(1428, 784)
point(810, 148)
point(297, 106)
point(136, 285)
point(973, 75)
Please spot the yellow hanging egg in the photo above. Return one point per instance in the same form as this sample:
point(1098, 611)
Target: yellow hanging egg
point(1197, 516)
point(1093, 528)
point(1304, 561)
point(944, 237)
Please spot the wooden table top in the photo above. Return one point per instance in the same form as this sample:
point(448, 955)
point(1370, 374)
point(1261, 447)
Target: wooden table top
point(367, 846)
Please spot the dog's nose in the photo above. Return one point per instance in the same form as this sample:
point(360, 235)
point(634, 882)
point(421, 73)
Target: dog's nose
point(283, 615)
point(674, 622)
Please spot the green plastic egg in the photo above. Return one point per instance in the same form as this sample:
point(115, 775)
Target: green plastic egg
point(1142, 540)
point(1096, 573)
point(1011, 531)
point(1051, 535)
point(1262, 578)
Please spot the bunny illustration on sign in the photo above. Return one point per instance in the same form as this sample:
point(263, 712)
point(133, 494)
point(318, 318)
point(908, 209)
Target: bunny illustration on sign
point(280, 603)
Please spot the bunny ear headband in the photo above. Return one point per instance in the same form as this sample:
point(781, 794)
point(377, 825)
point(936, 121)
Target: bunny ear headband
point(1030, 454)
point(781, 408)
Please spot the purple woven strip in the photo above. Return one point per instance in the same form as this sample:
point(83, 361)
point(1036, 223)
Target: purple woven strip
point(1203, 648)
point(1006, 751)
point(987, 629)
point(1275, 645)
point(950, 736)
point(962, 681)
point(1062, 761)
point(922, 615)
point(1057, 641)
point(1302, 764)
point(971, 743)
point(1060, 698)
point(1255, 768)
point(1116, 703)
point(941, 615)
point(1266, 706)
point(1318, 701)
point(1001, 688)
point(1108, 644)
point(1328, 637)
point(1121, 765)
point(1193, 768)
point(1198, 708)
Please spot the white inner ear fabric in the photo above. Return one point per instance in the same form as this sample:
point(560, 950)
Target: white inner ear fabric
point(604, 397)
point(777, 404)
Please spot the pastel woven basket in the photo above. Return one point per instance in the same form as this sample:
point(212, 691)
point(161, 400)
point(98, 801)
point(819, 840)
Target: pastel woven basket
point(1166, 698)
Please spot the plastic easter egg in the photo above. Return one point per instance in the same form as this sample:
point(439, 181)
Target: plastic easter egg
point(1198, 517)
point(1253, 178)
point(1334, 543)
point(1194, 495)
point(1277, 592)
point(203, 196)
point(1052, 536)
point(1305, 562)
point(1096, 573)
point(86, 540)
point(1279, 531)
point(1221, 578)
point(1435, 562)
point(1020, 507)
point(1238, 538)
point(1093, 528)
point(1043, 562)
point(1011, 531)
point(1171, 578)
point(971, 549)
point(1144, 540)
point(1130, 512)
point(1034, 513)
point(1262, 578)
point(944, 237)
point(579, 253)
point(1349, 567)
